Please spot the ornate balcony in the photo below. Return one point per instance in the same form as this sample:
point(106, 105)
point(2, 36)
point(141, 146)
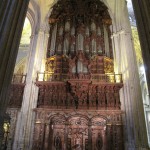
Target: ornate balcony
point(79, 82)
point(100, 78)
point(80, 91)
point(18, 79)
point(16, 90)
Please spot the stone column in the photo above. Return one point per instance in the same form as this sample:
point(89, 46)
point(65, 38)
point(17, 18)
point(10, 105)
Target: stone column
point(11, 23)
point(29, 88)
point(25, 122)
point(125, 97)
point(142, 14)
point(130, 94)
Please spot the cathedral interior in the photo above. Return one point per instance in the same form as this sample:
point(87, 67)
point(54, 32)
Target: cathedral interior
point(74, 75)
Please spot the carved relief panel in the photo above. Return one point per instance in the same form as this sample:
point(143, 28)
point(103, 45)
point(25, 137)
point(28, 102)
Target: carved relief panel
point(98, 130)
point(58, 134)
point(79, 94)
point(78, 131)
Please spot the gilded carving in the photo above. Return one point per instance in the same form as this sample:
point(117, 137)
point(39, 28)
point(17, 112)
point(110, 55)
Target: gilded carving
point(78, 103)
point(76, 130)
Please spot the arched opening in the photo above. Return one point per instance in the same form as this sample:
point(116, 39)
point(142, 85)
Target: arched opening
point(23, 52)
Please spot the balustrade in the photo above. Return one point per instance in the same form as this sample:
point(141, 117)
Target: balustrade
point(18, 78)
point(16, 90)
point(109, 78)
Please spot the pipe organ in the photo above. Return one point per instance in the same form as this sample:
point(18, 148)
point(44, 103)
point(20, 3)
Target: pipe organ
point(78, 102)
point(74, 30)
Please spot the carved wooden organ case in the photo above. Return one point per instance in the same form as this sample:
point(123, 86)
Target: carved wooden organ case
point(78, 104)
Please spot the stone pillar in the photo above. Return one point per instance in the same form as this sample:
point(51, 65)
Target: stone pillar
point(142, 14)
point(125, 96)
point(12, 17)
point(25, 122)
point(130, 94)
point(30, 87)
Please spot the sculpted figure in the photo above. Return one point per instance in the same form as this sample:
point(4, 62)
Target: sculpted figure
point(57, 142)
point(99, 142)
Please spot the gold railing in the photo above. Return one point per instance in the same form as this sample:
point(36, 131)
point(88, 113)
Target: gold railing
point(51, 77)
point(110, 78)
point(19, 78)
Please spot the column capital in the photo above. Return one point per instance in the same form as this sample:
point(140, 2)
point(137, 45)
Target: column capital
point(121, 32)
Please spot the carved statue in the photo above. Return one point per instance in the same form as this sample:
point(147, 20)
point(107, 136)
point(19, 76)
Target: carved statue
point(57, 142)
point(77, 145)
point(76, 101)
point(99, 142)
